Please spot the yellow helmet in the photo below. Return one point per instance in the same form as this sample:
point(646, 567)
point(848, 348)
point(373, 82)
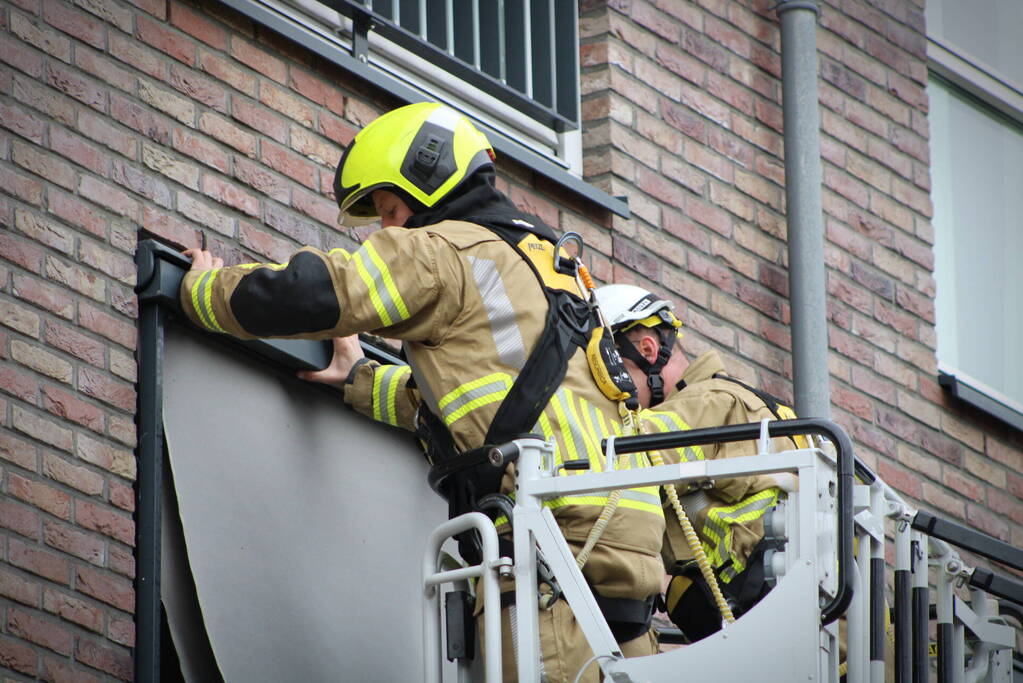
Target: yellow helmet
point(420, 151)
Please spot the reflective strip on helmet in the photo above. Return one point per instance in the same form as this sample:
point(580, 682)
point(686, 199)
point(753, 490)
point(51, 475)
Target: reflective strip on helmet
point(385, 296)
point(718, 527)
point(202, 300)
point(472, 395)
point(386, 381)
point(503, 325)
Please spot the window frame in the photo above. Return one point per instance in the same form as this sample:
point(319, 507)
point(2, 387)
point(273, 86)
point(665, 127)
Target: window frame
point(988, 88)
point(344, 57)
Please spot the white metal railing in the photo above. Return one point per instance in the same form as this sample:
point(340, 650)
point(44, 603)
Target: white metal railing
point(974, 642)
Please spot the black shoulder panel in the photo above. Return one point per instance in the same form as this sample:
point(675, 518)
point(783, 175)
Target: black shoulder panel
point(294, 300)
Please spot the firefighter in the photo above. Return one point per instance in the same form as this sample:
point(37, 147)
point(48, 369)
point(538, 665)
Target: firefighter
point(465, 281)
point(679, 395)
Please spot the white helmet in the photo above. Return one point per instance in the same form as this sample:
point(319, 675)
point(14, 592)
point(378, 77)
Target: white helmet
point(625, 306)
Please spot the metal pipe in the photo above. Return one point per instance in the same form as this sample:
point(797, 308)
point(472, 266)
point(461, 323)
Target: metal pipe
point(921, 609)
point(803, 201)
point(903, 611)
point(878, 635)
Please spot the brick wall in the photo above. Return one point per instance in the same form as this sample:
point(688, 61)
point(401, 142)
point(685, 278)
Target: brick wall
point(682, 102)
point(178, 119)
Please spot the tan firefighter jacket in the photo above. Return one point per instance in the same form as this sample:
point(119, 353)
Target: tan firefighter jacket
point(468, 309)
point(729, 516)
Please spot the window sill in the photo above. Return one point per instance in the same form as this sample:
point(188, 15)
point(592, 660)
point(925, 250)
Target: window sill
point(981, 397)
point(503, 145)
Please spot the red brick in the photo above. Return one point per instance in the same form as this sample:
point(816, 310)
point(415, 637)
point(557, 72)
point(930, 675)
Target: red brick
point(23, 187)
point(915, 303)
point(115, 264)
point(109, 197)
point(19, 318)
point(49, 298)
point(206, 215)
point(115, 662)
point(76, 24)
point(104, 69)
point(287, 104)
point(105, 521)
point(228, 133)
point(23, 122)
point(77, 213)
point(267, 245)
point(44, 231)
point(74, 542)
point(229, 194)
point(118, 461)
point(43, 496)
point(257, 177)
point(67, 80)
point(15, 656)
point(19, 519)
point(317, 90)
point(258, 60)
point(73, 609)
point(165, 40)
point(101, 130)
point(59, 671)
point(78, 279)
point(140, 119)
point(65, 405)
point(15, 53)
point(303, 231)
point(136, 55)
point(106, 389)
point(123, 497)
point(16, 588)
point(122, 632)
point(105, 587)
point(21, 453)
point(219, 67)
point(170, 228)
point(41, 428)
point(199, 88)
point(198, 26)
point(317, 206)
point(44, 563)
point(19, 384)
point(200, 148)
point(987, 521)
point(158, 8)
point(335, 129)
point(289, 164)
point(46, 39)
point(107, 325)
point(72, 341)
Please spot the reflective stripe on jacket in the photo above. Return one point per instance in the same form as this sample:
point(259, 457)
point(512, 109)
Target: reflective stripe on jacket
point(468, 309)
point(729, 516)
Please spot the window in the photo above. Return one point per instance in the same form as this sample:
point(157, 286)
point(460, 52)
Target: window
point(511, 64)
point(976, 118)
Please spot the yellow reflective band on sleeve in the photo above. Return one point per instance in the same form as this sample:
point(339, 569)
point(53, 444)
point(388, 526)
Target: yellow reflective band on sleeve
point(386, 381)
point(383, 294)
point(474, 394)
point(202, 300)
point(718, 528)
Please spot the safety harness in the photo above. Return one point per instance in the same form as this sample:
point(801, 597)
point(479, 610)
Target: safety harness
point(573, 322)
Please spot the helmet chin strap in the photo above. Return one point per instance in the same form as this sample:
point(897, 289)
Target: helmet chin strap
point(666, 336)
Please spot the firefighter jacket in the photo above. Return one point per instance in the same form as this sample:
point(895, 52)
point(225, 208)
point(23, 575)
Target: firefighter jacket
point(468, 309)
point(729, 516)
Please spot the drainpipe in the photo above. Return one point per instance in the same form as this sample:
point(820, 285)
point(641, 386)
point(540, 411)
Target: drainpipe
point(803, 199)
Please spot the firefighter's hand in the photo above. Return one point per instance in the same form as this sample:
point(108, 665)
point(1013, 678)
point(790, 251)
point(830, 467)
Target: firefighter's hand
point(347, 353)
point(202, 259)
